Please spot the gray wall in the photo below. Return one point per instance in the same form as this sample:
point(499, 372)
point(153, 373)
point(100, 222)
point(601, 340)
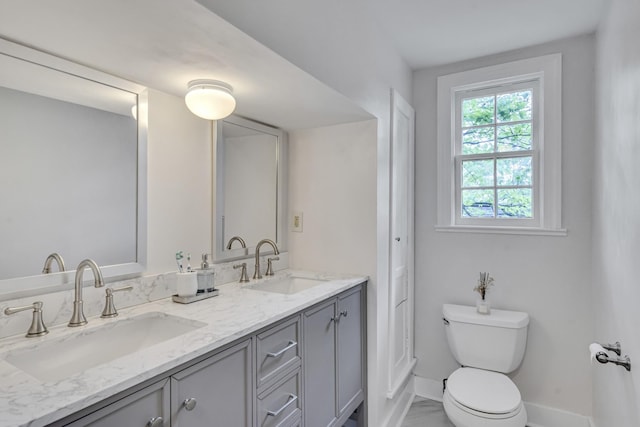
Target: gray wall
point(548, 277)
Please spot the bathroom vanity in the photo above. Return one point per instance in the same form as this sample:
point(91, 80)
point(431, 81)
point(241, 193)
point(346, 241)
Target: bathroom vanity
point(259, 354)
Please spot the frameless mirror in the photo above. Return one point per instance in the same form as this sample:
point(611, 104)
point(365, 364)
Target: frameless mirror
point(72, 171)
point(250, 187)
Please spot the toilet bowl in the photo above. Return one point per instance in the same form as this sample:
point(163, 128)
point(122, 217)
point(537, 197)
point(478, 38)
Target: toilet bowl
point(479, 394)
point(477, 398)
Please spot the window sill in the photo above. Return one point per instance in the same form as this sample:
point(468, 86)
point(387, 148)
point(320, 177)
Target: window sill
point(529, 231)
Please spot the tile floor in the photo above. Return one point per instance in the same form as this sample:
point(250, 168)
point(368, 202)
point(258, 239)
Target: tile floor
point(426, 413)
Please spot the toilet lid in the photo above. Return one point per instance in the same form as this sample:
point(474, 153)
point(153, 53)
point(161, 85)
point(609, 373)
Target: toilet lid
point(484, 391)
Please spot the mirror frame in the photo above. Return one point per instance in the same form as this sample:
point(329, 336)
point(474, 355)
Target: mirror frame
point(217, 242)
point(45, 283)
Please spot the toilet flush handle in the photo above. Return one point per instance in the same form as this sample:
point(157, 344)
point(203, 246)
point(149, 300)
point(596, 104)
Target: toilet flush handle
point(445, 321)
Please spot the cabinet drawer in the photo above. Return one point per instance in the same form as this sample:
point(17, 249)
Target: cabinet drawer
point(277, 350)
point(281, 405)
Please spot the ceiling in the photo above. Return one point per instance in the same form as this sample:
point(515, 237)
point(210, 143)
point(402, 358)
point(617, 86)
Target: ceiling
point(164, 44)
point(435, 32)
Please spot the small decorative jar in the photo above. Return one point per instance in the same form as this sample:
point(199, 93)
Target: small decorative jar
point(483, 306)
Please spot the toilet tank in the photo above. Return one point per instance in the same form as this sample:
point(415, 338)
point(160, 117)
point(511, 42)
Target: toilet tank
point(494, 342)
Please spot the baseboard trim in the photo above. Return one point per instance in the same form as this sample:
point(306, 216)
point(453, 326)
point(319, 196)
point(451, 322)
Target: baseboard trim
point(428, 388)
point(545, 416)
point(401, 381)
point(538, 415)
point(401, 407)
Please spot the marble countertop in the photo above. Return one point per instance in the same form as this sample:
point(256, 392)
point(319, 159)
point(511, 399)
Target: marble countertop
point(239, 310)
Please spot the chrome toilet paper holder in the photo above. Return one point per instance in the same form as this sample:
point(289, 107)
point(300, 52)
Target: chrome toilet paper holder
point(604, 358)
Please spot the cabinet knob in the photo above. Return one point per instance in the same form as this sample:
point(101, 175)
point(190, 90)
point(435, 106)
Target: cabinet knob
point(155, 422)
point(189, 404)
point(337, 318)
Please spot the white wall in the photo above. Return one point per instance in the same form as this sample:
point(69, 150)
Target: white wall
point(332, 180)
point(548, 277)
point(179, 183)
point(616, 236)
point(356, 58)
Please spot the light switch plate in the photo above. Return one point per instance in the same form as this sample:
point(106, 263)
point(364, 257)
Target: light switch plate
point(296, 222)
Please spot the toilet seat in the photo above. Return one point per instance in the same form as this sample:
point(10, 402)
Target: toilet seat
point(490, 393)
point(477, 398)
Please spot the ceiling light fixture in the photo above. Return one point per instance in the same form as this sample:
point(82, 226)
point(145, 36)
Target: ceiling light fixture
point(210, 99)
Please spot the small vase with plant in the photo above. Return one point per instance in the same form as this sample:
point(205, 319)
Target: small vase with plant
point(484, 283)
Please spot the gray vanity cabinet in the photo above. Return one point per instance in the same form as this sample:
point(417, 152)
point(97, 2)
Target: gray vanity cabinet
point(333, 359)
point(306, 370)
point(215, 392)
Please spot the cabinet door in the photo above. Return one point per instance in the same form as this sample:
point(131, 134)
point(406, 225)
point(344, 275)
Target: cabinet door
point(216, 392)
point(140, 409)
point(319, 366)
point(350, 350)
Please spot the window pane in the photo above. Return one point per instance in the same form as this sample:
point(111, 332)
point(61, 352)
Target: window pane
point(477, 173)
point(514, 106)
point(477, 140)
point(477, 111)
point(514, 137)
point(514, 171)
point(515, 203)
point(477, 203)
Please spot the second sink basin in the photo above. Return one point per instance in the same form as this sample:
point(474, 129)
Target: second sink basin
point(287, 285)
point(56, 360)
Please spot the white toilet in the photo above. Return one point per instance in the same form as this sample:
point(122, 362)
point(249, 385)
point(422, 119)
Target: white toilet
point(487, 346)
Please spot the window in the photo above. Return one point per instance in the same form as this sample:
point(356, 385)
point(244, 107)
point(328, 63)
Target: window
point(499, 148)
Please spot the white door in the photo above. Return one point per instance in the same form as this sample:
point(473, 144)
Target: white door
point(401, 360)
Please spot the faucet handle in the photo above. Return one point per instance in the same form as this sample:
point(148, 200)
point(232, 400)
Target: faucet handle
point(244, 278)
point(270, 265)
point(37, 327)
point(109, 307)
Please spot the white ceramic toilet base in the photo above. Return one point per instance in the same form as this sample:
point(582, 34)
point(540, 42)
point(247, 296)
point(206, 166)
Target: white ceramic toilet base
point(465, 418)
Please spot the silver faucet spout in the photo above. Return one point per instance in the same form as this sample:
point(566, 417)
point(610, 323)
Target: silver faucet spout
point(257, 274)
point(47, 263)
point(78, 319)
point(236, 239)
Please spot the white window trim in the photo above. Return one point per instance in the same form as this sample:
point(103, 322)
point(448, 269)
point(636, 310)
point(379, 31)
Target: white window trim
point(548, 71)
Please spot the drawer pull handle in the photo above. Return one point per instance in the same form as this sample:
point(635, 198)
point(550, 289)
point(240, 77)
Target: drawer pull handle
point(189, 404)
point(288, 347)
point(292, 398)
point(155, 422)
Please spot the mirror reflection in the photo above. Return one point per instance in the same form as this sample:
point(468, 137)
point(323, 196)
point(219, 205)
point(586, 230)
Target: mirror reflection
point(249, 176)
point(68, 170)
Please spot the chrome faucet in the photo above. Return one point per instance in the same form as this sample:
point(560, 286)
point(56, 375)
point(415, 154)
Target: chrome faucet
point(238, 239)
point(47, 263)
point(257, 274)
point(78, 319)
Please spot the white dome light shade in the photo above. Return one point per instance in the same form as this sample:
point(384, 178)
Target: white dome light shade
point(210, 99)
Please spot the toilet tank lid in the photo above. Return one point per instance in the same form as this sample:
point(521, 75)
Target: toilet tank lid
point(498, 318)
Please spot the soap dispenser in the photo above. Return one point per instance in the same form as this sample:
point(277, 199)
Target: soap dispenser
point(205, 275)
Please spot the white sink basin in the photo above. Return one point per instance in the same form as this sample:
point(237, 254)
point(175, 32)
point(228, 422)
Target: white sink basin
point(287, 285)
point(56, 360)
